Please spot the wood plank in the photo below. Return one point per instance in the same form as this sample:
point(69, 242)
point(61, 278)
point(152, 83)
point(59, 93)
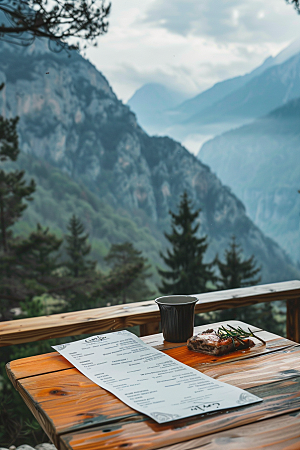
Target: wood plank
point(279, 398)
point(36, 365)
point(265, 369)
point(279, 433)
point(52, 362)
point(72, 401)
point(293, 319)
point(97, 320)
point(234, 298)
point(197, 359)
point(149, 328)
point(123, 316)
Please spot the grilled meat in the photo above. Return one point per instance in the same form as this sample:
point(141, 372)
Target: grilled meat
point(209, 342)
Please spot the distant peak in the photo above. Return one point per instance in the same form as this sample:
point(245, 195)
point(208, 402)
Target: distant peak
point(291, 50)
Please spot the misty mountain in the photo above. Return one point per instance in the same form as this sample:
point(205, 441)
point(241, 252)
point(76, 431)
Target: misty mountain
point(72, 124)
point(274, 87)
point(151, 102)
point(194, 106)
point(231, 102)
point(261, 163)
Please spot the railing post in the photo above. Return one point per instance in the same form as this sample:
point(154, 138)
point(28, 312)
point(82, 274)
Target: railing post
point(149, 328)
point(293, 319)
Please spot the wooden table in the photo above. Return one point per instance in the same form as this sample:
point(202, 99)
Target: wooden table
point(79, 415)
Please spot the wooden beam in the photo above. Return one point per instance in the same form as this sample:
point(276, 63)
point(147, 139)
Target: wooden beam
point(293, 319)
point(117, 317)
point(234, 298)
point(149, 328)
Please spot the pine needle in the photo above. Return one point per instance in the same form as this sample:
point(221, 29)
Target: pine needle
point(236, 333)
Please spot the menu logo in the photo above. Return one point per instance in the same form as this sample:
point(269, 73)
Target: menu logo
point(205, 406)
point(95, 339)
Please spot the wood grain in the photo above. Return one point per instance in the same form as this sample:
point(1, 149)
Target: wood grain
point(279, 433)
point(197, 359)
point(252, 372)
point(279, 398)
point(69, 401)
point(124, 316)
point(52, 362)
point(149, 328)
point(293, 319)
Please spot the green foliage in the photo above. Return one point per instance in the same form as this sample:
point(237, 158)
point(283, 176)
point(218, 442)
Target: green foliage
point(13, 188)
point(77, 249)
point(37, 254)
point(127, 262)
point(57, 21)
point(295, 3)
point(236, 272)
point(188, 272)
point(57, 197)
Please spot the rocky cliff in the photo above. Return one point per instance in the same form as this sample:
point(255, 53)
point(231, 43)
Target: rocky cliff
point(70, 118)
point(261, 163)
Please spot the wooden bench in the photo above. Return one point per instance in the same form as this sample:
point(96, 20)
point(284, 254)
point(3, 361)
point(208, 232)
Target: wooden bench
point(146, 315)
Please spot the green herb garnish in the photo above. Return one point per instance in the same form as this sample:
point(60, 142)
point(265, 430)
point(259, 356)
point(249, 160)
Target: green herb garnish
point(236, 333)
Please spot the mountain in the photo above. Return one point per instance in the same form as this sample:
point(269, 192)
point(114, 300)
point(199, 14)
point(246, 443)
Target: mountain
point(194, 106)
point(72, 124)
point(233, 102)
point(261, 163)
point(274, 87)
point(151, 101)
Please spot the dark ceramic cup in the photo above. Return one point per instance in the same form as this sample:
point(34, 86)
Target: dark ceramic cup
point(177, 317)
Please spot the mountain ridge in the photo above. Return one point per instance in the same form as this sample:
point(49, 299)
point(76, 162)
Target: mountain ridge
point(230, 103)
point(71, 119)
point(269, 149)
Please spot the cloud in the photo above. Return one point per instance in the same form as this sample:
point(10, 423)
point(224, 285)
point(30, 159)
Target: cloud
point(178, 78)
point(190, 45)
point(226, 21)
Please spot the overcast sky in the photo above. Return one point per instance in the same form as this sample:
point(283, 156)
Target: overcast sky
point(189, 45)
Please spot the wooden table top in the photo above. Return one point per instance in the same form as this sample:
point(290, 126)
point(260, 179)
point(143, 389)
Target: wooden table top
point(79, 415)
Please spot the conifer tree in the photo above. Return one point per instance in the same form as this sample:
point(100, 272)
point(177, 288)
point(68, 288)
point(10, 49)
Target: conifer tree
point(29, 269)
point(13, 187)
point(187, 273)
point(37, 255)
point(58, 21)
point(236, 272)
point(13, 191)
point(78, 249)
point(130, 270)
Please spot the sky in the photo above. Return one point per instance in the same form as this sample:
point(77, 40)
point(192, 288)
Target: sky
point(189, 45)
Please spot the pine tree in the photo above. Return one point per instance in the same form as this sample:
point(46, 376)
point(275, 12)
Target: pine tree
point(236, 272)
point(130, 270)
point(13, 187)
point(37, 255)
point(35, 265)
point(78, 249)
point(188, 274)
point(13, 192)
point(58, 21)
point(30, 269)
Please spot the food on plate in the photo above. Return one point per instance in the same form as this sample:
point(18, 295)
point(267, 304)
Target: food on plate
point(222, 341)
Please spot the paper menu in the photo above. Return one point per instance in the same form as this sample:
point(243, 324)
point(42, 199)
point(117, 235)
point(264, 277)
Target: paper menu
point(148, 380)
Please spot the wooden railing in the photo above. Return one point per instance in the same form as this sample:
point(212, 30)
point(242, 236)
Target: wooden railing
point(147, 316)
